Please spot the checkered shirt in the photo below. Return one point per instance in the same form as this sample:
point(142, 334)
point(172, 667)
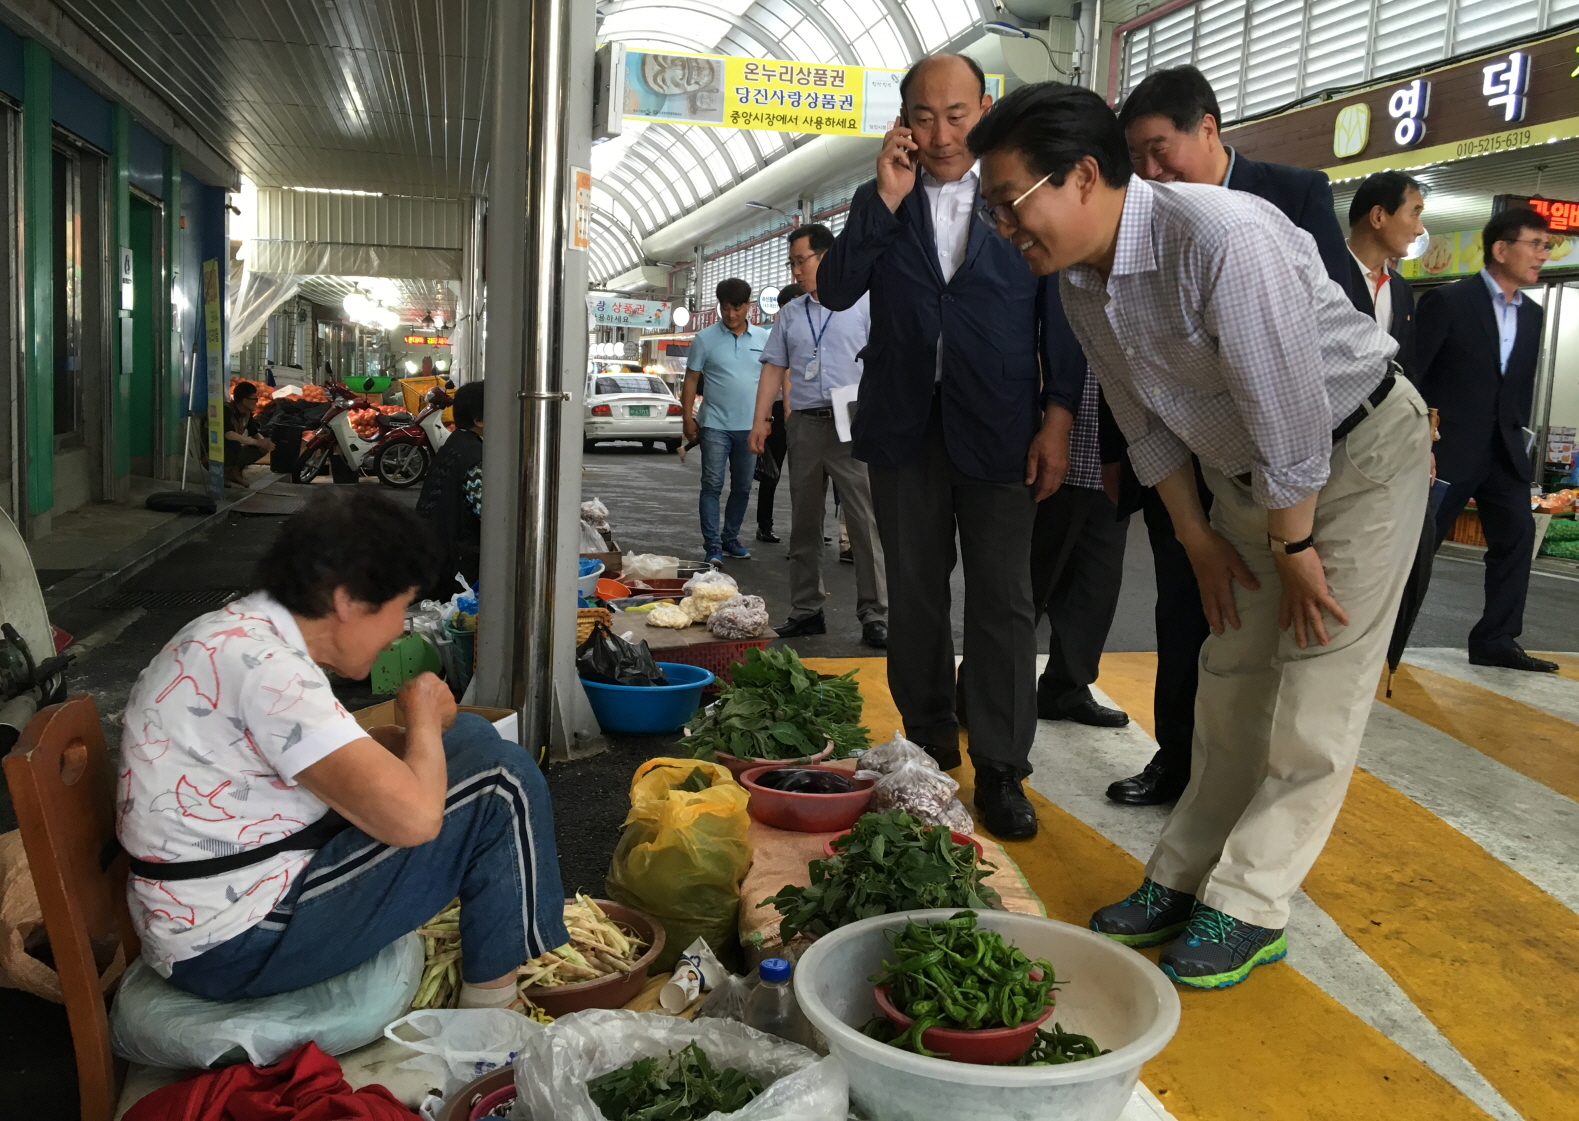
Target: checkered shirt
point(1219, 332)
point(1085, 452)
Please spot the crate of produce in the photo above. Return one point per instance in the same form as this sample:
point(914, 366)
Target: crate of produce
point(1466, 530)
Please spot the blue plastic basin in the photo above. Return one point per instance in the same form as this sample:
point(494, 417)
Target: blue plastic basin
point(650, 710)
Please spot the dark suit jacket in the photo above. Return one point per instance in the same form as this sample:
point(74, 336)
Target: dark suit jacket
point(1306, 197)
point(1403, 325)
point(987, 315)
point(1458, 356)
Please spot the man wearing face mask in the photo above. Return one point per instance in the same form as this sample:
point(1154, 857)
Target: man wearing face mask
point(1214, 330)
point(956, 429)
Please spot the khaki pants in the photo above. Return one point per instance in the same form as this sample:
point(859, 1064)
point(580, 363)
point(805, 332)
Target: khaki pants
point(1277, 728)
point(816, 455)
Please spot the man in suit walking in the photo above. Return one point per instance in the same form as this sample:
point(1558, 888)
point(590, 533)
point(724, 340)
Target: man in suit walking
point(1171, 123)
point(1477, 342)
point(955, 430)
point(1384, 221)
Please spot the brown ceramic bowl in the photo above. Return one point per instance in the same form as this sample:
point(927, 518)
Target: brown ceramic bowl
point(806, 813)
point(617, 989)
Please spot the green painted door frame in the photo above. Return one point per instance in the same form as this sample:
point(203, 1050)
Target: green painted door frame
point(38, 207)
point(120, 336)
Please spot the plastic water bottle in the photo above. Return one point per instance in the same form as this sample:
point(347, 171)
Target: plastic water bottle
point(771, 1007)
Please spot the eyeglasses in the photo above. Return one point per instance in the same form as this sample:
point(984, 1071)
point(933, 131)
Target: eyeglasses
point(793, 263)
point(1538, 244)
point(1004, 212)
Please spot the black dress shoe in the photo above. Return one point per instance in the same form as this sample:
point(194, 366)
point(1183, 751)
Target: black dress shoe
point(875, 634)
point(1086, 712)
point(846, 556)
point(1514, 658)
point(1005, 810)
point(769, 536)
point(794, 628)
point(1152, 787)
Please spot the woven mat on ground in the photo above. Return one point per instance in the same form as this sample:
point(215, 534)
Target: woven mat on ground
point(781, 857)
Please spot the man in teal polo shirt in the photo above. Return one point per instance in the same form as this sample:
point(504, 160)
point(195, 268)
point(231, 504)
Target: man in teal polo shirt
point(729, 356)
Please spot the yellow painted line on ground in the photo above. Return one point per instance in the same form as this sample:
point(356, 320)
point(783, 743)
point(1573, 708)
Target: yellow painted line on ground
point(1536, 744)
point(1486, 955)
point(1275, 1047)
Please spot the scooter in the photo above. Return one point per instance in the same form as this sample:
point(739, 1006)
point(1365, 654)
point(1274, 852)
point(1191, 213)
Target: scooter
point(398, 454)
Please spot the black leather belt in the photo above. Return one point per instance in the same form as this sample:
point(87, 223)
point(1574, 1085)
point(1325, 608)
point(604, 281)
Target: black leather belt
point(825, 411)
point(1378, 395)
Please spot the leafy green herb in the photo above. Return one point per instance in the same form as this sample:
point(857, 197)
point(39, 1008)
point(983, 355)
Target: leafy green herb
point(776, 708)
point(889, 862)
point(1058, 1046)
point(684, 1086)
point(698, 781)
point(953, 974)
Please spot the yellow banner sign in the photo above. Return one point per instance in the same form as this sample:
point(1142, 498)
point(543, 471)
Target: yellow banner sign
point(761, 93)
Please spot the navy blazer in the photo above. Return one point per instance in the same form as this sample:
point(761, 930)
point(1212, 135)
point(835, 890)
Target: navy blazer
point(988, 315)
point(1306, 197)
point(1459, 357)
point(1403, 326)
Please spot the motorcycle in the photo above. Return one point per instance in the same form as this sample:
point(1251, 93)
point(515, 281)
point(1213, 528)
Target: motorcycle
point(398, 453)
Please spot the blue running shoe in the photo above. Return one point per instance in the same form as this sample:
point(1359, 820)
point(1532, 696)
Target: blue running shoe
point(1217, 950)
point(714, 556)
point(736, 550)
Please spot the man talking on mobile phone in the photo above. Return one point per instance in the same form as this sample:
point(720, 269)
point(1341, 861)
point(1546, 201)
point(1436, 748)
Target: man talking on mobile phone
point(959, 436)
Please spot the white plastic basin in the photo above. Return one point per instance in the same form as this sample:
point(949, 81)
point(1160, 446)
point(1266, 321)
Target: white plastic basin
point(1109, 992)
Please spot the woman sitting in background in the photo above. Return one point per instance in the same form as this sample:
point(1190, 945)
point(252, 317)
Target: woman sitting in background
point(275, 843)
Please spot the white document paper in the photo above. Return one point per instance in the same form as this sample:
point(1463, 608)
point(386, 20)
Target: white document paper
point(843, 405)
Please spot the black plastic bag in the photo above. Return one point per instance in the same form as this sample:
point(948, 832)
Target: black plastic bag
point(607, 658)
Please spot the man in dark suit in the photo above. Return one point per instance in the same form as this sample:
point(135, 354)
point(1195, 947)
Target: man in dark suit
point(956, 430)
point(1477, 343)
point(1171, 123)
point(1384, 221)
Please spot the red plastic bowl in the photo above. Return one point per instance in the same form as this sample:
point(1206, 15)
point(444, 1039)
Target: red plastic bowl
point(984, 1046)
point(497, 1098)
point(959, 839)
point(807, 813)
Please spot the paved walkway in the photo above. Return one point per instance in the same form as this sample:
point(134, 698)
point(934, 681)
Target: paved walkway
point(1431, 971)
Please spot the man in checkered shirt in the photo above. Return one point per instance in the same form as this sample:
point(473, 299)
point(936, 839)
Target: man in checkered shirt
point(1213, 328)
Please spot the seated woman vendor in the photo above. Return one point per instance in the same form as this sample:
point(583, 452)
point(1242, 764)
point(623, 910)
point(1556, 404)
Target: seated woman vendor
point(274, 842)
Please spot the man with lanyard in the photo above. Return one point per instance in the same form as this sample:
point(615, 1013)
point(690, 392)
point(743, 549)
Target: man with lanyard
point(729, 354)
point(811, 352)
point(1214, 329)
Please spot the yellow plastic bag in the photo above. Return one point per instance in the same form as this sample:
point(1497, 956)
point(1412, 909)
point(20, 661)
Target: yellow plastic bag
point(683, 853)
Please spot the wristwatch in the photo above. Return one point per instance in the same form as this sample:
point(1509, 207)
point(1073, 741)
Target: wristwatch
point(1292, 547)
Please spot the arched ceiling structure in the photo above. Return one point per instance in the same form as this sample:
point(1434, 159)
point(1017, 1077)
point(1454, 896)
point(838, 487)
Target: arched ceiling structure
point(654, 173)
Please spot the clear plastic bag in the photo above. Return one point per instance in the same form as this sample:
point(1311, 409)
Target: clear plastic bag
point(649, 566)
point(712, 584)
point(460, 1044)
point(156, 1023)
point(923, 792)
point(552, 1070)
point(888, 757)
point(728, 999)
point(739, 617)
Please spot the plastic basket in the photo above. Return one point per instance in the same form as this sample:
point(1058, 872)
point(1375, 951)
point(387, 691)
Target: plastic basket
point(716, 656)
point(1466, 530)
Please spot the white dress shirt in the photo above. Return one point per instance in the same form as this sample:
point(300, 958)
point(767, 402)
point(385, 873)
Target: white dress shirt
point(1506, 312)
point(1218, 331)
point(950, 205)
point(1379, 285)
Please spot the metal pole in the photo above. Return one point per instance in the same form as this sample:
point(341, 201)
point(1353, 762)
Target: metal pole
point(1093, 58)
point(472, 284)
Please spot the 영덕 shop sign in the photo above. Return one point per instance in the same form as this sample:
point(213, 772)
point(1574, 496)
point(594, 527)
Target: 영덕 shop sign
point(760, 93)
point(615, 311)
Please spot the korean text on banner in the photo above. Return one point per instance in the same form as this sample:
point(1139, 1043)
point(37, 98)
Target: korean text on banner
point(766, 94)
point(616, 311)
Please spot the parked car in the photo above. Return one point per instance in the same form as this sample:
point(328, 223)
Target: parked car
point(623, 403)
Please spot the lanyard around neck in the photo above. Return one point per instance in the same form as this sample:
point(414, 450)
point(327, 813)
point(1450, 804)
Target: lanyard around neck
point(816, 333)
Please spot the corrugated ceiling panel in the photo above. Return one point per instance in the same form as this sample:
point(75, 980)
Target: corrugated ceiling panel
point(359, 219)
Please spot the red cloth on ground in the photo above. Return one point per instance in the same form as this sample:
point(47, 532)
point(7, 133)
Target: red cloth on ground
point(305, 1085)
